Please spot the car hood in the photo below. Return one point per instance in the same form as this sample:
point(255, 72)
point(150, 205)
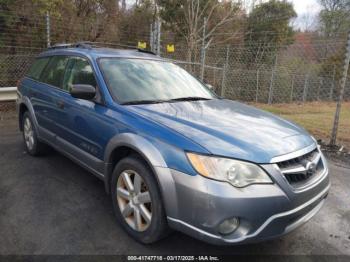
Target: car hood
point(229, 128)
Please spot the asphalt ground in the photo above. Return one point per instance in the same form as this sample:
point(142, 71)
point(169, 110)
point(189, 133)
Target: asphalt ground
point(49, 205)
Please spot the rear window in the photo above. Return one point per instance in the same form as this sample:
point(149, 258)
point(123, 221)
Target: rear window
point(37, 67)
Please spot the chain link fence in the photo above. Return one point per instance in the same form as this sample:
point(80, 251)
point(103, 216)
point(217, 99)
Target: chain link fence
point(13, 68)
point(299, 81)
point(292, 78)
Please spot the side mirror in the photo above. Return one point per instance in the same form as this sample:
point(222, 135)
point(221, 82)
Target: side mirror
point(86, 92)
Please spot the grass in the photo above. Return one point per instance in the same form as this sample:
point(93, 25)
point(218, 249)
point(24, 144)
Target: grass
point(316, 117)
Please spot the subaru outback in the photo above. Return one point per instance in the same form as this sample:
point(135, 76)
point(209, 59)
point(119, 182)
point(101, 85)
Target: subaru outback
point(171, 153)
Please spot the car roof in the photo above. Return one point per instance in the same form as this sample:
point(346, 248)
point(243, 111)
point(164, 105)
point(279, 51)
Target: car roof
point(100, 52)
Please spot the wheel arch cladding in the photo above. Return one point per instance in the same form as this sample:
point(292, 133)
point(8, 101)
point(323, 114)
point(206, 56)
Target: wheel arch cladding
point(123, 145)
point(23, 104)
point(21, 110)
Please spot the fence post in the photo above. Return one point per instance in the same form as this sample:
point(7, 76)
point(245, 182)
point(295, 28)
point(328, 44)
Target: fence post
point(151, 43)
point(292, 89)
point(271, 81)
point(332, 86)
point(319, 88)
point(257, 85)
point(203, 49)
point(158, 35)
point(341, 93)
point(224, 72)
point(48, 29)
point(306, 82)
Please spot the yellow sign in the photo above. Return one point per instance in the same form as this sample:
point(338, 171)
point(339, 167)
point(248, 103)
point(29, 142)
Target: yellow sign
point(142, 45)
point(170, 48)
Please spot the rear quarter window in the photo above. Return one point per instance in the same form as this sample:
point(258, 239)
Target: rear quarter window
point(37, 68)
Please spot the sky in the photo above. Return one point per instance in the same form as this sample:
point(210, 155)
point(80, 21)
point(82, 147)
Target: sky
point(303, 6)
point(307, 11)
point(306, 6)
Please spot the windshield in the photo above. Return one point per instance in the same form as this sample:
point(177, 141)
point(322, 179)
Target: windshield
point(141, 81)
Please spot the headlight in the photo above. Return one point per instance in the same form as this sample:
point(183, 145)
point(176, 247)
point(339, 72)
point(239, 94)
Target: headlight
point(237, 173)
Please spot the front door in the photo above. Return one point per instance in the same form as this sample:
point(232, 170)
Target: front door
point(83, 126)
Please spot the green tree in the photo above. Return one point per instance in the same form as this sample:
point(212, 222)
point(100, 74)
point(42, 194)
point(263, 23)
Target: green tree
point(135, 22)
point(334, 16)
point(334, 22)
point(268, 28)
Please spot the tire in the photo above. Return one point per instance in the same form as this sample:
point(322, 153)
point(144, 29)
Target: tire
point(30, 138)
point(139, 229)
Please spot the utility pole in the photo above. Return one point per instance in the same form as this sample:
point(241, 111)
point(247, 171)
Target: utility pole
point(48, 29)
point(341, 93)
point(203, 48)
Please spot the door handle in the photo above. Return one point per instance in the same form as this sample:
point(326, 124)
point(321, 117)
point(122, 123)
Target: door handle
point(60, 104)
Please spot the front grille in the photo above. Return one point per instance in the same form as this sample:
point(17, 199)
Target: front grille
point(302, 170)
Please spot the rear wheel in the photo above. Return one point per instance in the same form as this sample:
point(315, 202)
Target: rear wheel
point(32, 145)
point(137, 200)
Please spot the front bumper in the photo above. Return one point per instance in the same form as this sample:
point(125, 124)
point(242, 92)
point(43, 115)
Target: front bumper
point(197, 205)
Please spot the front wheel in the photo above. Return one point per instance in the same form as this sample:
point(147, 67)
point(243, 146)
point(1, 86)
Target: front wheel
point(137, 200)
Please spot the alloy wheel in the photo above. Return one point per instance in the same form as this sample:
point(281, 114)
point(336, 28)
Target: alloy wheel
point(134, 200)
point(28, 133)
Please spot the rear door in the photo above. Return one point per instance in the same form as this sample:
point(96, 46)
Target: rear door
point(37, 92)
point(50, 88)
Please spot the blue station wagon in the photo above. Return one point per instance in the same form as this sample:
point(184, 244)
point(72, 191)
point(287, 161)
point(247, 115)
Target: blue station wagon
point(171, 153)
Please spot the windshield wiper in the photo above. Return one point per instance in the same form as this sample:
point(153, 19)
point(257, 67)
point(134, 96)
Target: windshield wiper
point(140, 102)
point(189, 98)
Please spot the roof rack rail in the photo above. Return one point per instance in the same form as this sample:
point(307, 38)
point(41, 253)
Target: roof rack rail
point(87, 45)
point(90, 45)
point(58, 46)
point(128, 46)
point(146, 51)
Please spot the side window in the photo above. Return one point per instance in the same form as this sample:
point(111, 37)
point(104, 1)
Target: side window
point(37, 67)
point(79, 72)
point(54, 72)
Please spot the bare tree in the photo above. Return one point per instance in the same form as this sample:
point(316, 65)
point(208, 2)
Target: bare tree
point(188, 20)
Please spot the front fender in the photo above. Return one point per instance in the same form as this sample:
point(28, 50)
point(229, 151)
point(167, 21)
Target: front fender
point(137, 143)
point(154, 159)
